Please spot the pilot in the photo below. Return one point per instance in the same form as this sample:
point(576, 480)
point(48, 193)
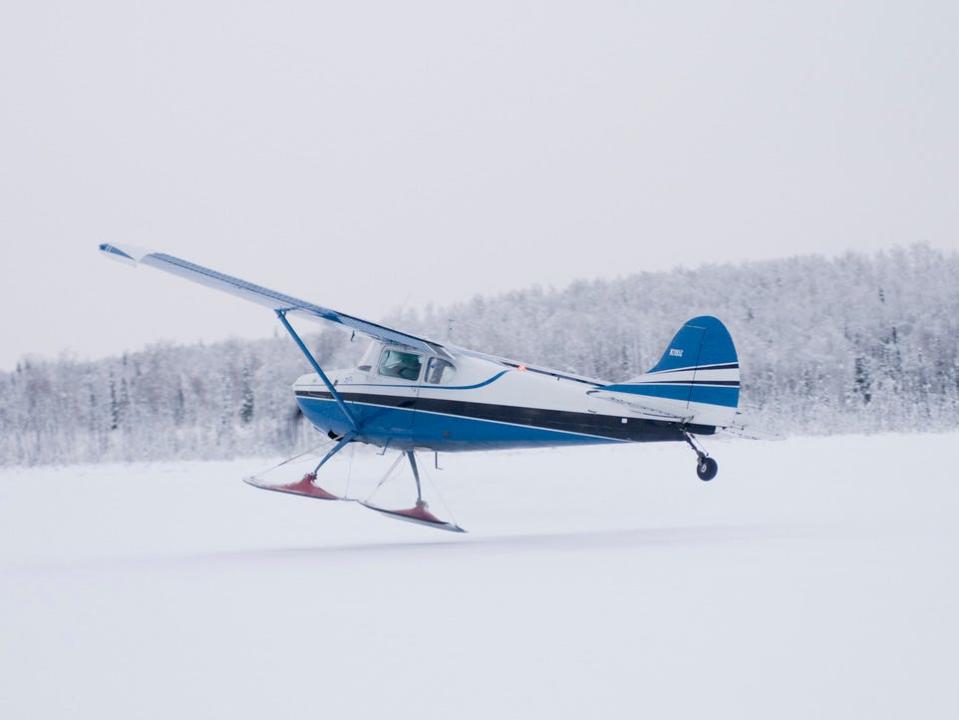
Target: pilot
point(410, 367)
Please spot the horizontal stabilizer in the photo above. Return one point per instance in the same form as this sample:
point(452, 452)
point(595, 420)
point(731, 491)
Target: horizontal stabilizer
point(636, 407)
point(743, 426)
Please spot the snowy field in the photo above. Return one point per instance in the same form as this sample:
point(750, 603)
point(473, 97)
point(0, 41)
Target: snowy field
point(813, 578)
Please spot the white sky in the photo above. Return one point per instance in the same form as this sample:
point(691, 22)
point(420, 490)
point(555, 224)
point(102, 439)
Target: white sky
point(369, 155)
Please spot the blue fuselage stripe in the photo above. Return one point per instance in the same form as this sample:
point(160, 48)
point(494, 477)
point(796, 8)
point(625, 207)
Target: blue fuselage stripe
point(708, 394)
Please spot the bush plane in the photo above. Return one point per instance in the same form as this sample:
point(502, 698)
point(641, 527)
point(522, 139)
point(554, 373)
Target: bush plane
point(411, 394)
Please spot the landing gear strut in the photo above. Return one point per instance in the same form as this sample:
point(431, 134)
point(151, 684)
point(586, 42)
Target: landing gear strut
point(706, 467)
point(306, 486)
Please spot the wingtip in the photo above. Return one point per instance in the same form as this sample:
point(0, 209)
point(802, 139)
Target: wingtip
point(127, 254)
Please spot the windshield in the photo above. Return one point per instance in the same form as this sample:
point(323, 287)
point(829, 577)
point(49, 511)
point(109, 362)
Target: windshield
point(369, 356)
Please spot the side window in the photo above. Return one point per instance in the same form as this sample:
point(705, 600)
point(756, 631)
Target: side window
point(397, 364)
point(439, 371)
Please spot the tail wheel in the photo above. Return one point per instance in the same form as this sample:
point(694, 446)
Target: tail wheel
point(707, 468)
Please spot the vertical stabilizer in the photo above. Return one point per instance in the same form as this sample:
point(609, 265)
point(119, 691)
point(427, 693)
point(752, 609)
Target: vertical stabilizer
point(696, 378)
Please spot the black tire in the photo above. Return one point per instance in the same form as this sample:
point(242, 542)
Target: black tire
point(706, 469)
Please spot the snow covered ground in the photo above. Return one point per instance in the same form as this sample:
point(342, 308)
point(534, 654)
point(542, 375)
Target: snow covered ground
point(812, 578)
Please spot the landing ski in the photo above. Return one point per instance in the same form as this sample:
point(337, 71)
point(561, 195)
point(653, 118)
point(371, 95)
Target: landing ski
point(418, 514)
point(305, 487)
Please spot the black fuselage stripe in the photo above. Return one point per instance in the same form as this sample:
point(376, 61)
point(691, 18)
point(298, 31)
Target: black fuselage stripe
point(727, 366)
point(722, 383)
point(609, 426)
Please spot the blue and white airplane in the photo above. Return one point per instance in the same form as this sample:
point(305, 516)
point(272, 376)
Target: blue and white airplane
point(412, 394)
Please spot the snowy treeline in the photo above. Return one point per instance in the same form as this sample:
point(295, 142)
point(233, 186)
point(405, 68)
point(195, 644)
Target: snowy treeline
point(166, 401)
point(856, 343)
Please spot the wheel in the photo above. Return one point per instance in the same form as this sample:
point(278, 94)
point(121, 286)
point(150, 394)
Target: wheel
point(707, 468)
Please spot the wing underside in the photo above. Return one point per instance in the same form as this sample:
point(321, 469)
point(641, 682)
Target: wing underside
point(266, 297)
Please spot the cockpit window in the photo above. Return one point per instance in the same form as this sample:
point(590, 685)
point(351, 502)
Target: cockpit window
point(404, 365)
point(439, 371)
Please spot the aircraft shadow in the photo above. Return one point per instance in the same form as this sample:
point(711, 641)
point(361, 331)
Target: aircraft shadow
point(560, 541)
point(566, 541)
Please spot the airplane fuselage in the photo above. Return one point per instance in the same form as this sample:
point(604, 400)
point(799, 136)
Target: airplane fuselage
point(475, 405)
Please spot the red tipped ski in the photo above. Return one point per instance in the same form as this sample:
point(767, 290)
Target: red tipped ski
point(418, 514)
point(303, 487)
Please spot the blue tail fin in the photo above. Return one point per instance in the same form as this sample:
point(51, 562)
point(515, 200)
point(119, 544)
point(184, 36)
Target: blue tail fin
point(697, 377)
point(702, 341)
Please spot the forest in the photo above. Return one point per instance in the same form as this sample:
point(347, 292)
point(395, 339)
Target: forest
point(852, 344)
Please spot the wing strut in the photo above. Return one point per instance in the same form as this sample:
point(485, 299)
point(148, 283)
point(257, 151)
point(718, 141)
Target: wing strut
point(319, 371)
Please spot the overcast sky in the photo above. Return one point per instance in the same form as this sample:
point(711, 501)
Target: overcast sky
point(372, 155)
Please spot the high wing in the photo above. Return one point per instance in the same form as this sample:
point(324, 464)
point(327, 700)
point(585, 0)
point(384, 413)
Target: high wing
point(275, 300)
point(272, 299)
